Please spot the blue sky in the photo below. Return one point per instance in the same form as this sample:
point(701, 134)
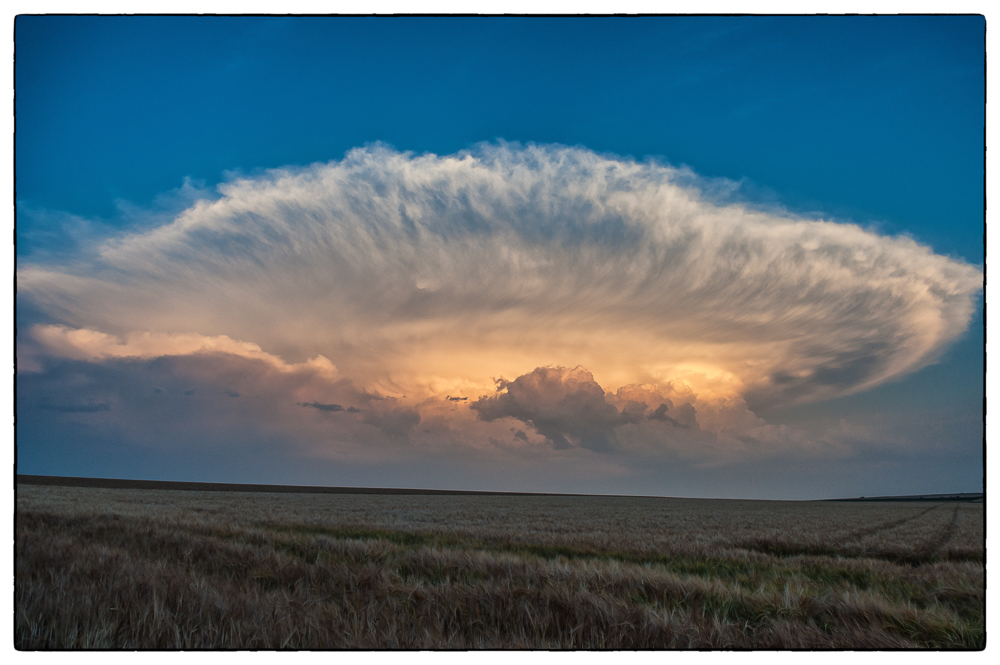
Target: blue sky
point(875, 121)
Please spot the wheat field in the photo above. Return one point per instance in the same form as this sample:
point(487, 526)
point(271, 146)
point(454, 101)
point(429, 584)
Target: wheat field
point(173, 569)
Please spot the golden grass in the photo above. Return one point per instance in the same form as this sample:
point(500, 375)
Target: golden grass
point(102, 568)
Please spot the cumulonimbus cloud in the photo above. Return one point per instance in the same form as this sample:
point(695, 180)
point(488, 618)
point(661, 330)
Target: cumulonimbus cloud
point(423, 275)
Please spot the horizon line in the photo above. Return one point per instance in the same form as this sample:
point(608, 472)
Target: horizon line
point(128, 483)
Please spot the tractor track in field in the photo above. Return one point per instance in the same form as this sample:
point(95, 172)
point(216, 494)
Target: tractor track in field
point(886, 526)
point(946, 534)
point(926, 553)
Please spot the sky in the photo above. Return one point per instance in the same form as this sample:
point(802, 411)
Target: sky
point(732, 257)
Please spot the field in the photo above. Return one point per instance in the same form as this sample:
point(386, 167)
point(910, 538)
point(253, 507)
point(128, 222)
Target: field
point(170, 569)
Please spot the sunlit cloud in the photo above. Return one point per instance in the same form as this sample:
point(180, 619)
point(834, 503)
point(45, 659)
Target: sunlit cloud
point(84, 344)
point(432, 281)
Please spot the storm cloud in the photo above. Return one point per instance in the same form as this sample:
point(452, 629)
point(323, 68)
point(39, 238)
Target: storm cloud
point(404, 280)
point(421, 273)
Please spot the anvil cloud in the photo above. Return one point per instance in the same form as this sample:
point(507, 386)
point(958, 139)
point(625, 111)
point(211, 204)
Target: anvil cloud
point(421, 278)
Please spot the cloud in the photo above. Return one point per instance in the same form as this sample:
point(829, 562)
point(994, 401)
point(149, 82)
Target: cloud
point(86, 344)
point(332, 408)
point(159, 402)
point(566, 406)
point(571, 410)
point(661, 414)
point(425, 274)
point(322, 407)
point(395, 282)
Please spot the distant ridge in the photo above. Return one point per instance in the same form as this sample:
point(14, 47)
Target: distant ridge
point(121, 483)
point(971, 497)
